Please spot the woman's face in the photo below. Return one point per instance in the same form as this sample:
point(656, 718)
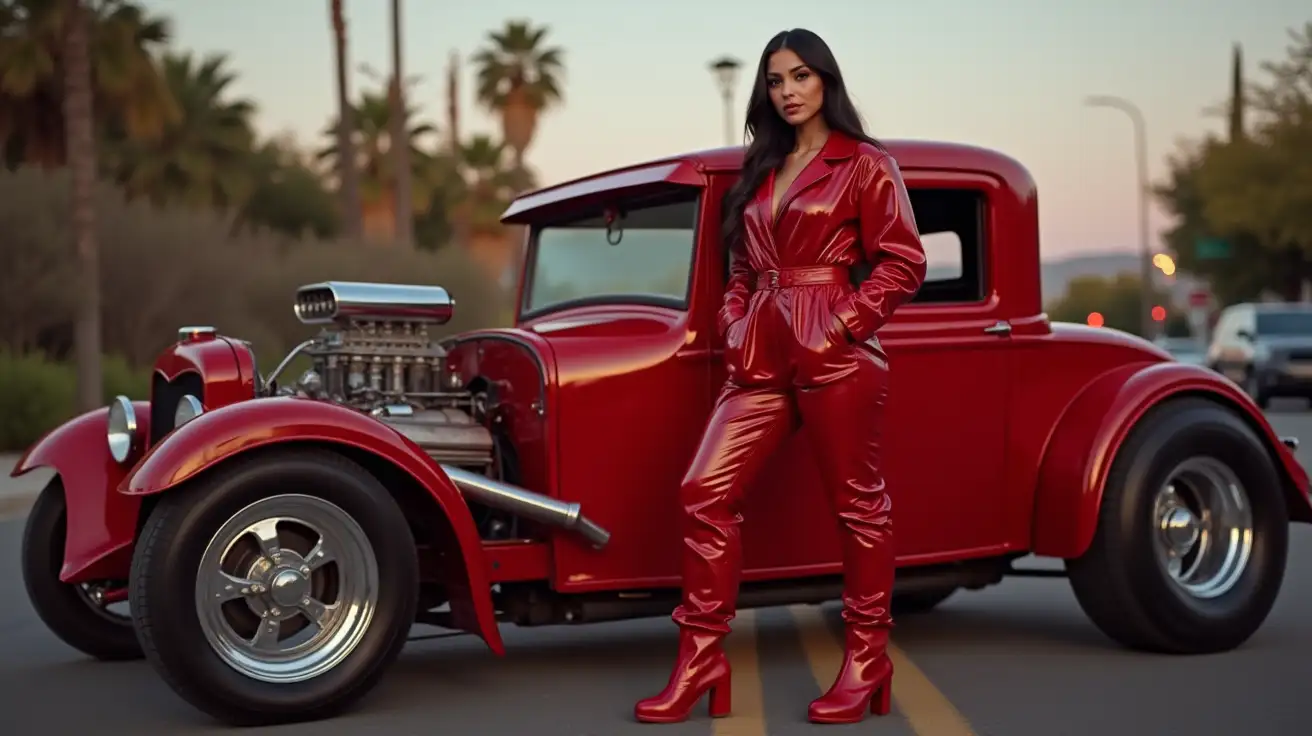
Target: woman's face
point(796, 91)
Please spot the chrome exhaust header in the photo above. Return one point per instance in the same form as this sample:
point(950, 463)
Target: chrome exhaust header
point(526, 503)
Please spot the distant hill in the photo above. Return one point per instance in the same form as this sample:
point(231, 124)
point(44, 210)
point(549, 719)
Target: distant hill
point(1056, 273)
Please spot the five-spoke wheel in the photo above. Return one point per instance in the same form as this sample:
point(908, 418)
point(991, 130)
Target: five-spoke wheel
point(275, 588)
point(288, 587)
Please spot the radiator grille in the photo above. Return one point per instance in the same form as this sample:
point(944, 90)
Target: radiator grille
point(164, 397)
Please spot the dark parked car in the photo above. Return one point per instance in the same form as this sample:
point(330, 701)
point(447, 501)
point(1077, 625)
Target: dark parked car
point(1265, 348)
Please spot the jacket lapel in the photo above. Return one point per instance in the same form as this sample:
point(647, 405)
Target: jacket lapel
point(836, 148)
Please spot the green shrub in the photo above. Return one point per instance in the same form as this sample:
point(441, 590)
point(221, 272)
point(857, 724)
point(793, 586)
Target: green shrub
point(161, 269)
point(37, 395)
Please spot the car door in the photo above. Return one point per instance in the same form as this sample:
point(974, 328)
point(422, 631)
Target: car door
point(946, 418)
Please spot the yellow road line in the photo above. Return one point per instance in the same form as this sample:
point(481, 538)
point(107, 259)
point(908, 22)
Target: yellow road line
point(927, 710)
point(748, 717)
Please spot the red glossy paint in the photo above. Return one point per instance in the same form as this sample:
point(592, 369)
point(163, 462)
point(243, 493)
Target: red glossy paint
point(227, 367)
point(101, 524)
point(991, 401)
point(224, 433)
point(1084, 444)
point(604, 406)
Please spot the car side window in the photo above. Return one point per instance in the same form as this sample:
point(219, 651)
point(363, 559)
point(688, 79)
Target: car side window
point(951, 224)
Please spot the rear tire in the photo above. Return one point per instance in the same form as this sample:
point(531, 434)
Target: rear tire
point(1143, 581)
point(202, 545)
point(68, 610)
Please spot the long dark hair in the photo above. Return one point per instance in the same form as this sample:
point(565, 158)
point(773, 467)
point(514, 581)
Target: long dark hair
point(772, 137)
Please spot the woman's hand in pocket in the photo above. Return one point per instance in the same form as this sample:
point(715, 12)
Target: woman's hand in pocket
point(836, 332)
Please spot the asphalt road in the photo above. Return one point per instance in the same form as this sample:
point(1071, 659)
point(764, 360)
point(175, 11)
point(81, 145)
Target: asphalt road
point(1019, 659)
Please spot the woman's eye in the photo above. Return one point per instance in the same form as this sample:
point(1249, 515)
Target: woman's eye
point(802, 76)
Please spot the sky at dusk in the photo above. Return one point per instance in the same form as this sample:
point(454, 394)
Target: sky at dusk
point(1006, 74)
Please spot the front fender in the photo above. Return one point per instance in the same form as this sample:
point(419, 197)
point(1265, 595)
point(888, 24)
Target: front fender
point(1079, 453)
point(216, 436)
point(100, 524)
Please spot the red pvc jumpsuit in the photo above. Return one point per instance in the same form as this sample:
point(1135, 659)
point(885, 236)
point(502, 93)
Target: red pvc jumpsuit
point(798, 346)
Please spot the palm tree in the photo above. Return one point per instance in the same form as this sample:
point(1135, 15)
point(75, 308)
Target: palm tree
point(348, 176)
point(127, 90)
point(204, 158)
point(403, 186)
point(519, 78)
point(488, 189)
point(79, 118)
point(373, 141)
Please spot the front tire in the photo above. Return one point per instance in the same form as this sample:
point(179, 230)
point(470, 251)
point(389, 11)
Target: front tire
point(277, 588)
point(1192, 537)
point(77, 614)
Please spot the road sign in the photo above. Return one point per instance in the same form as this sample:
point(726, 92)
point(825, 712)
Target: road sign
point(1212, 249)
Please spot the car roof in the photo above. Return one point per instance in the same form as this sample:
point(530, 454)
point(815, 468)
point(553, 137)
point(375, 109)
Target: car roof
point(690, 168)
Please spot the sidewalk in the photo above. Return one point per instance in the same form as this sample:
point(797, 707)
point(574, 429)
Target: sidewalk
point(17, 494)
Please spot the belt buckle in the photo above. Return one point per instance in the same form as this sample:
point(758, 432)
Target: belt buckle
point(773, 277)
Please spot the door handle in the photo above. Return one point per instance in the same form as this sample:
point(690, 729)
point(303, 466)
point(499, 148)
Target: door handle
point(1000, 327)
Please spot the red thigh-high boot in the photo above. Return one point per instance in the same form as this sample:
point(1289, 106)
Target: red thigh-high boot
point(745, 426)
point(843, 420)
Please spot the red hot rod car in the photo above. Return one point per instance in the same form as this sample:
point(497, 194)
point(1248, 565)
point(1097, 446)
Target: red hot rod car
point(275, 543)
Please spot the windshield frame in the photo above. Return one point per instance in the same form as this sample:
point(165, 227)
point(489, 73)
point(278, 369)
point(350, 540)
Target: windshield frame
point(696, 196)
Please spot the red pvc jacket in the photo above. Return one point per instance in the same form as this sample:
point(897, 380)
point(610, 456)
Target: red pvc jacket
point(790, 310)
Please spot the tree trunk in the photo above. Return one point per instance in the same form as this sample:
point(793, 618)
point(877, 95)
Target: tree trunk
point(519, 119)
point(400, 140)
point(349, 173)
point(82, 165)
point(1293, 275)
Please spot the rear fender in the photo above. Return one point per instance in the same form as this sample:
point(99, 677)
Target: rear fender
point(216, 436)
point(101, 524)
point(1079, 453)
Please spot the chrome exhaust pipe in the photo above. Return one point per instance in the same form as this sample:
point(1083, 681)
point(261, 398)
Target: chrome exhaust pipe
point(527, 504)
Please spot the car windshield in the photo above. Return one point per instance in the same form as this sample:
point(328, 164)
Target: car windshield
point(1285, 323)
point(645, 257)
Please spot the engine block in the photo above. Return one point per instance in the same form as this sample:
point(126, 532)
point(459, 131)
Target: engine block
point(376, 354)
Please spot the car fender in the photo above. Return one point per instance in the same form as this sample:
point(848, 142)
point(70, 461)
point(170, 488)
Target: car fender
point(100, 524)
point(220, 435)
point(1078, 455)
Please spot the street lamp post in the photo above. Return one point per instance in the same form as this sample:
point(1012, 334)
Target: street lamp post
point(726, 73)
point(1149, 327)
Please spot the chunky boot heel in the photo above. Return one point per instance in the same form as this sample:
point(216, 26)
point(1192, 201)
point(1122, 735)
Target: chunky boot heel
point(702, 667)
point(864, 683)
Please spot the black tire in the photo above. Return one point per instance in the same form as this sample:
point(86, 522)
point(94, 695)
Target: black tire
point(1118, 581)
point(174, 541)
point(911, 604)
point(64, 608)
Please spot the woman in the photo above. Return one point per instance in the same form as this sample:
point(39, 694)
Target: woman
point(816, 197)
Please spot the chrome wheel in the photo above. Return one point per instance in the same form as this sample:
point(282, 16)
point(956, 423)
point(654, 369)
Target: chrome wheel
point(1203, 527)
point(287, 588)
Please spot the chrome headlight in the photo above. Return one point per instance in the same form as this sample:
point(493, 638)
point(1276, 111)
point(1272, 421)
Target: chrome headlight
point(189, 407)
point(122, 430)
